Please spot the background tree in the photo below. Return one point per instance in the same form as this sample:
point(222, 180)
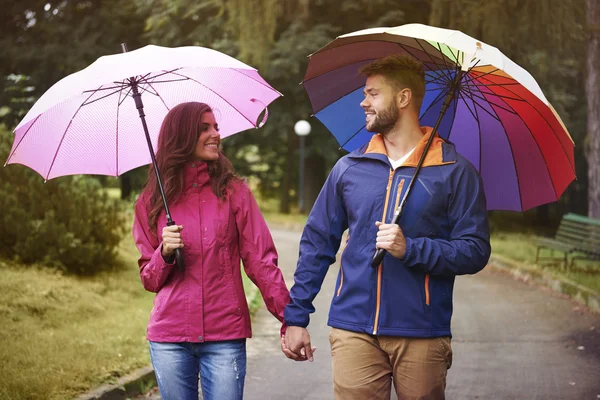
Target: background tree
point(547, 38)
point(593, 96)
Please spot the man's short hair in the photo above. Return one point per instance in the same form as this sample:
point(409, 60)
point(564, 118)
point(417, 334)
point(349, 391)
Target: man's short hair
point(401, 71)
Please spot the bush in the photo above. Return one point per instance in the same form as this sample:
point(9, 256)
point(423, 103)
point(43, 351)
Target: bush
point(68, 222)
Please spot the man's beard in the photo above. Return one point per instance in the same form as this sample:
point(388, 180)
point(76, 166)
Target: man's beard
point(384, 120)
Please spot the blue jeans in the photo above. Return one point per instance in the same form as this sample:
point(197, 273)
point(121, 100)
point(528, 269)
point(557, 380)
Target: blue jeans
point(220, 365)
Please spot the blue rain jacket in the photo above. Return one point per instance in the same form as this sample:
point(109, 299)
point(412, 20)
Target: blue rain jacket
point(447, 234)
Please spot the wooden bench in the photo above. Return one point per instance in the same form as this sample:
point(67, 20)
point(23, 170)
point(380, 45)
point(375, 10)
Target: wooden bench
point(577, 235)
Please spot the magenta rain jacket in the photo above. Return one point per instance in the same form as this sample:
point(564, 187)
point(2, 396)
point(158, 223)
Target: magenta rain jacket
point(206, 302)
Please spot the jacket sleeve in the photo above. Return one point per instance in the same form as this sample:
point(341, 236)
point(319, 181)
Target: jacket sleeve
point(320, 242)
point(258, 252)
point(467, 251)
point(154, 271)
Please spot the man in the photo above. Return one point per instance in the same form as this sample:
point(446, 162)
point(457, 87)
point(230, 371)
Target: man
point(390, 323)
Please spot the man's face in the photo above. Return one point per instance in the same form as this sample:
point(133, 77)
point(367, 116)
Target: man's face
point(380, 105)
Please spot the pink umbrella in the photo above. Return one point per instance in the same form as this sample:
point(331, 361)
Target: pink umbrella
point(81, 125)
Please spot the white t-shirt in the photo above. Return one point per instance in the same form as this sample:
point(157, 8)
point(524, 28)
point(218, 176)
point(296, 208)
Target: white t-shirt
point(397, 163)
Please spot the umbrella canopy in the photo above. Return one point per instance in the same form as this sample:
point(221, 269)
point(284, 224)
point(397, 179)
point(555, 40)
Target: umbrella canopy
point(88, 123)
point(499, 118)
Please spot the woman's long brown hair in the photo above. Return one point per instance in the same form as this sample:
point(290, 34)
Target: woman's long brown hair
point(177, 140)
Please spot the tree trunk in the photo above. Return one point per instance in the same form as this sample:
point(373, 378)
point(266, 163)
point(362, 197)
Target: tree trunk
point(125, 181)
point(284, 204)
point(593, 114)
point(314, 178)
point(439, 13)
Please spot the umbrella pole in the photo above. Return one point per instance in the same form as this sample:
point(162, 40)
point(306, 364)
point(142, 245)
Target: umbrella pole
point(454, 87)
point(137, 97)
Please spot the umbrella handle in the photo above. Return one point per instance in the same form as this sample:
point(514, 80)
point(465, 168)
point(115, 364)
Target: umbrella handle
point(378, 257)
point(380, 253)
point(179, 259)
point(178, 252)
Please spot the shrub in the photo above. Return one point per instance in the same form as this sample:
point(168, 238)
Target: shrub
point(68, 222)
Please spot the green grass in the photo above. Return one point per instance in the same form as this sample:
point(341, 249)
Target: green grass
point(522, 247)
point(62, 335)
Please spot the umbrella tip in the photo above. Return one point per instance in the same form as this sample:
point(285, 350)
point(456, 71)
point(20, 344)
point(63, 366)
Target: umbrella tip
point(124, 47)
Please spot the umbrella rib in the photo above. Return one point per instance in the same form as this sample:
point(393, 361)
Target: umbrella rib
point(63, 136)
point(442, 79)
point(551, 128)
point(462, 95)
point(479, 131)
point(439, 47)
point(437, 99)
point(488, 73)
point(145, 77)
point(126, 95)
point(86, 103)
point(545, 119)
point(159, 96)
point(453, 116)
point(511, 110)
point(443, 56)
point(146, 90)
point(511, 152)
point(117, 134)
point(257, 81)
point(22, 137)
point(470, 94)
point(537, 143)
point(171, 80)
point(350, 44)
point(439, 72)
point(104, 88)
point(352, 137)
point(224, 99)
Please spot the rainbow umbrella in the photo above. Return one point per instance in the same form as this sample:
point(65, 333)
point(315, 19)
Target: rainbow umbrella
point(487, 105)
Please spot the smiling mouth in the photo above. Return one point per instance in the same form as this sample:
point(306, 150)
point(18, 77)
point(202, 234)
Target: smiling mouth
point(211, 145)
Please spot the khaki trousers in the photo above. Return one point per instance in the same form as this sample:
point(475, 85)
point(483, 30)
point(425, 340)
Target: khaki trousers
point(364, 366)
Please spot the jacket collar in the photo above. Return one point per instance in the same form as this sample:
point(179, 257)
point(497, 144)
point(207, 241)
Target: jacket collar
point(440, 152)
point(196, 172)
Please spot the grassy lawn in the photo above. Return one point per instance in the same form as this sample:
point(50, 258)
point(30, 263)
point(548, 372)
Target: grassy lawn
point(62, 335)
point(522, 247)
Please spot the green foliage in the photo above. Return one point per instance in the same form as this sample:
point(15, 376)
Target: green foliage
point(66, 223)
point(15, 99)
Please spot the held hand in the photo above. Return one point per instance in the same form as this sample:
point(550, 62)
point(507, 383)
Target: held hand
point(171, 240)
point(296, 344)
point(391, 238)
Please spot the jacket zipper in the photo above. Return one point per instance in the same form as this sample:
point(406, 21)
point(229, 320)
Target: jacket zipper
point(379, 268)
point(427, 289)
point(341, 269)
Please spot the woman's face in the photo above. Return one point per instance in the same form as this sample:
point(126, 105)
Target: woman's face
point(207, 147)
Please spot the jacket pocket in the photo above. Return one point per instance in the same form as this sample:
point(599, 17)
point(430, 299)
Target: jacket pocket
point(427, 299)
point(425, 292)
point(228, 280)
point(337, 294)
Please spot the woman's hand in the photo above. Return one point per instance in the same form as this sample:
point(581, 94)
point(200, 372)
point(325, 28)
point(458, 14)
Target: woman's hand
point(171, 240)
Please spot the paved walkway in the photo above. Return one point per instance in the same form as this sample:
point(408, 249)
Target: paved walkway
point(511, 341)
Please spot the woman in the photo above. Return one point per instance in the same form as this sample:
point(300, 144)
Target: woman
point(200, 320)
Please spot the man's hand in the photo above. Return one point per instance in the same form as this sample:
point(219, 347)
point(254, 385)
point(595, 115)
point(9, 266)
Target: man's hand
point(296, 344)
point(391, 238)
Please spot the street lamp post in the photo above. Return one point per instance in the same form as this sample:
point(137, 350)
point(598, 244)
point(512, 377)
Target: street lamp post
point(302, 129)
